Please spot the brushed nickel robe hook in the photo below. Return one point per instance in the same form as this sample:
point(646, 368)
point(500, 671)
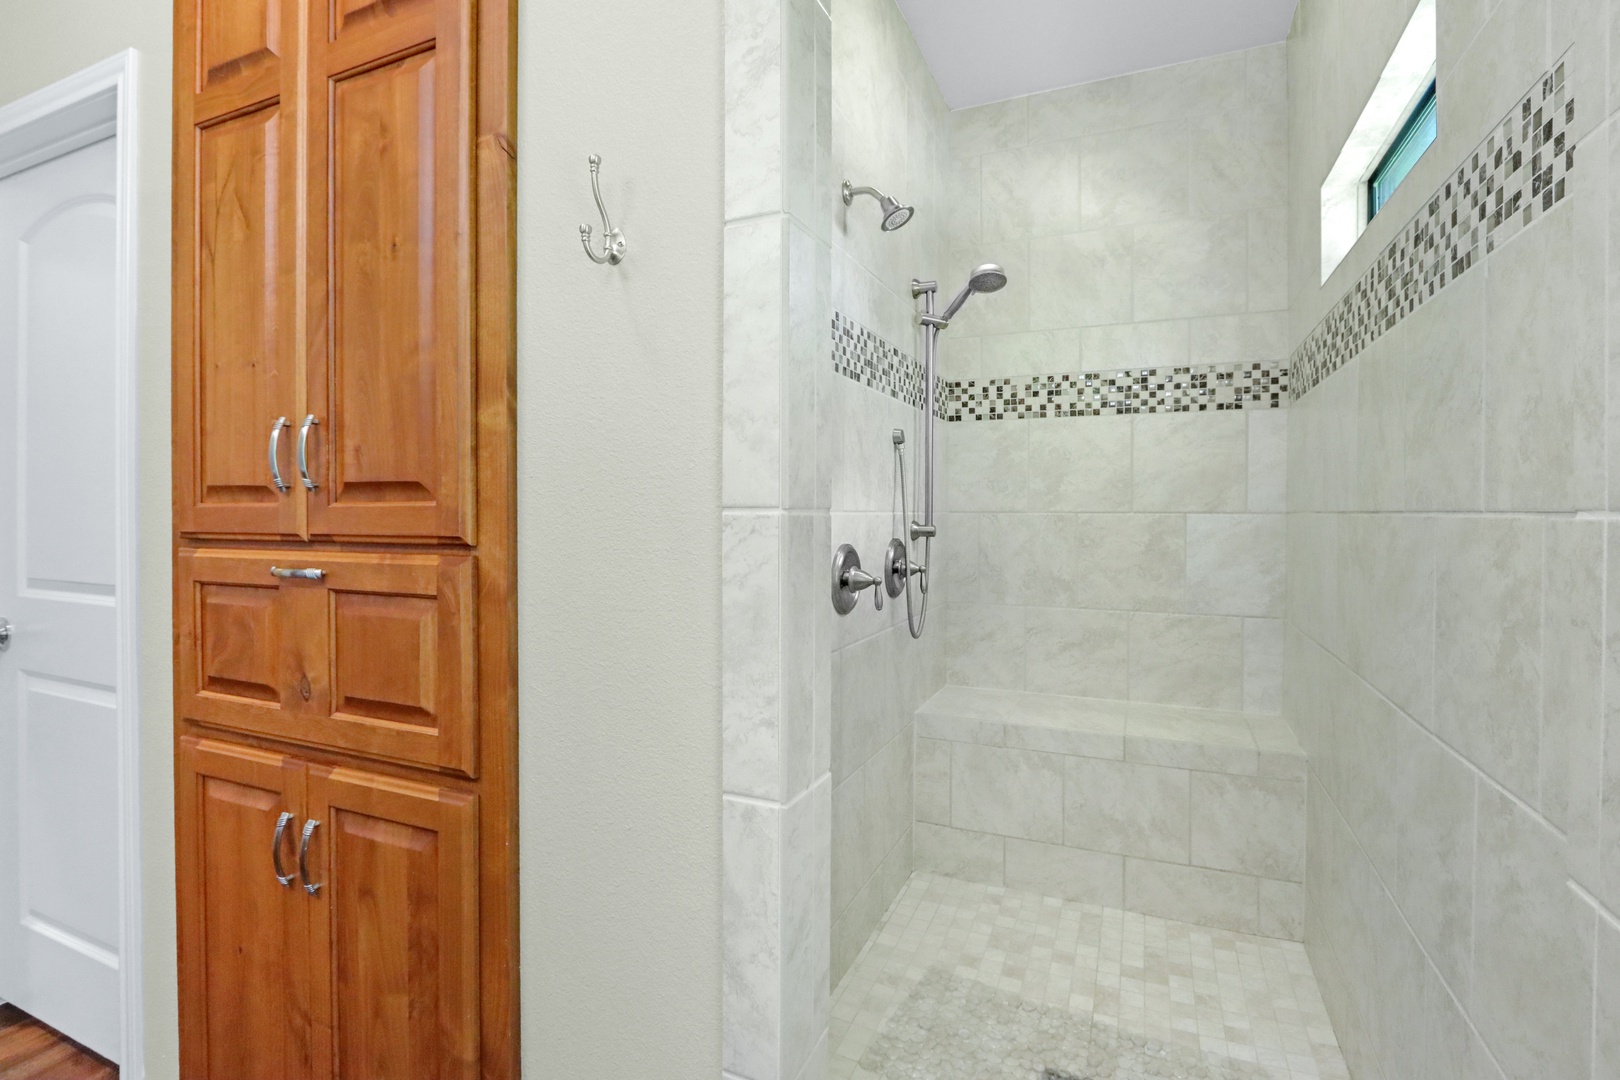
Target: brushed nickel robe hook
point(613, 242)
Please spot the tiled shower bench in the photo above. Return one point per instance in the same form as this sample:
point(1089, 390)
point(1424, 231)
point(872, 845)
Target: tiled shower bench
point(1189, 814)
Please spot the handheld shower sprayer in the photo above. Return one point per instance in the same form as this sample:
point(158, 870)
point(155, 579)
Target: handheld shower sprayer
point(985, 278)
point(848, 580)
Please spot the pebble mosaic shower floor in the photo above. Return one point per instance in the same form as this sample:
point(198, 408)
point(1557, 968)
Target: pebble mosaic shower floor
point(974, 982)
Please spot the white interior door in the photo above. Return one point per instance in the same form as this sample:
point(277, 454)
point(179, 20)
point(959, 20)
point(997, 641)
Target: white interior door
point(59, 695)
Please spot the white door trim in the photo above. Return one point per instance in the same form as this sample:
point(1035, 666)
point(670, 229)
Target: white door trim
point(81, 109)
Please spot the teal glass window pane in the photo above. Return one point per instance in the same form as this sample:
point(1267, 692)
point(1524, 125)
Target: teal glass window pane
point(1416, 136)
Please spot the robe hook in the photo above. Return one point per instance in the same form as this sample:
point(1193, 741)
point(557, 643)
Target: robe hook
point(613, 242)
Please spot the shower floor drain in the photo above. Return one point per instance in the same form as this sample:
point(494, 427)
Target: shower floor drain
point(951, 1028)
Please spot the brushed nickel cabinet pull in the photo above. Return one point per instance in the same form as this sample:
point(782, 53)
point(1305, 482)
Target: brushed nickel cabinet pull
point(308, 574)
point(311, 887)
point(275, 455)
point(303, 452)
point(285, 879)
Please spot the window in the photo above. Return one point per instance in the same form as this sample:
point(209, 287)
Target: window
point(1415, 137)
point(1395, 126)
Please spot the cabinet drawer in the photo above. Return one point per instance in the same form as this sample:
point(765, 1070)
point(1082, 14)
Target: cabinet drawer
point(369, 653)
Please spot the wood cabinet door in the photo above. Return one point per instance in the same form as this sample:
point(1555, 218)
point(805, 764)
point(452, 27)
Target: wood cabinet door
point(394, 928)
point(245, 979)
point(373, 653)
point(235, 250)
point(390, 269)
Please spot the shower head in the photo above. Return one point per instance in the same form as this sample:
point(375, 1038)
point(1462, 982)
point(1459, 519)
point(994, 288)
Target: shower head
point(987, 278)
point(895, 214)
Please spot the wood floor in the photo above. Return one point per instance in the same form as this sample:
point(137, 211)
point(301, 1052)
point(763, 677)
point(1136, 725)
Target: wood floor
point(31, 1051)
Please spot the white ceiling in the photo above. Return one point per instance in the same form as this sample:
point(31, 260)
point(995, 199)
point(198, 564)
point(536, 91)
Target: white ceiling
point(991, 50)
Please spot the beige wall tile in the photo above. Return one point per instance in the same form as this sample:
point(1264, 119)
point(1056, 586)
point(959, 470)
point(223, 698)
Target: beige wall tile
point(1435, 871)
point(1282, 910)
point(1533, 946)
point(1038, 352)
point(986, 466)
point(1268, 460)
point(1076, 651)
point(1081, 279)
point(1126, 809)
point(1235, 564)
point(1263, 668)
point(1190, 739)
point(1134, 176)
point(1007, 792)
point(1130, 561)
point(1192, 894)
point(1188, 268)
point(854, 925)
point(1085, 876)
point(1191, 463)
point(1537, 378)
point(1082, 466)
point(957, 853)
point(933, 783)
point(1187, 660)
point(1488, 645)
point(1249, 824)
point(1240, 160)
point(990, 127)
point(1127, 345)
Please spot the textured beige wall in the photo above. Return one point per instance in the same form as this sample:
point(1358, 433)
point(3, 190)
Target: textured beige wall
point(39, 44)
point(1454, 581)
point(619, 495)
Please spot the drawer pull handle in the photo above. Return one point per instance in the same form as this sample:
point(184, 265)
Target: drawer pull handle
point(275, 455)
point(285, 879)
point(311, 887)
point(309, 574)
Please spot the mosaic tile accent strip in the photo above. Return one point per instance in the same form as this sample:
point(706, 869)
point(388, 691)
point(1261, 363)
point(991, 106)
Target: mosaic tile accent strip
point(871, 360)
point(866, 357)
point(1198, 388)
point(1519, 172)
point(1210, 1002)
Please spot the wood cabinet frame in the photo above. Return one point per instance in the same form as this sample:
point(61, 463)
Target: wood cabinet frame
point(486, 466)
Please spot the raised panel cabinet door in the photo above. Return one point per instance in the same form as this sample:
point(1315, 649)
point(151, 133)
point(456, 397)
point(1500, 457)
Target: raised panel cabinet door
point(235, 251)
point(390, 282)
point(395, 931)
point(374, 653)
point(232, 665)
point(245, 975)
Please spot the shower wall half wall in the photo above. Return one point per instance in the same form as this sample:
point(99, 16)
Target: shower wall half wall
point(817, 735)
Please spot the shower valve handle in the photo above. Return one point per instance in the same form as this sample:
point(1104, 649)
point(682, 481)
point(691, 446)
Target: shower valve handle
point(857, 579)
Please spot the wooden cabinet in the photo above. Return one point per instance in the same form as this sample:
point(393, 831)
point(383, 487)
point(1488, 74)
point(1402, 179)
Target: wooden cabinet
point(390, 371)
point(335, 924)
point(235, 286)
point(373, 653)
point(396, 938)
point(344, 521)
point(245, 960)
point(328, 395)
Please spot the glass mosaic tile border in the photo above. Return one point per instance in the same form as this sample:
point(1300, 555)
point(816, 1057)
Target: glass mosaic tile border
point(867, 358)
point(1195, 388)
point(1518, 173)
point(871, 360)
